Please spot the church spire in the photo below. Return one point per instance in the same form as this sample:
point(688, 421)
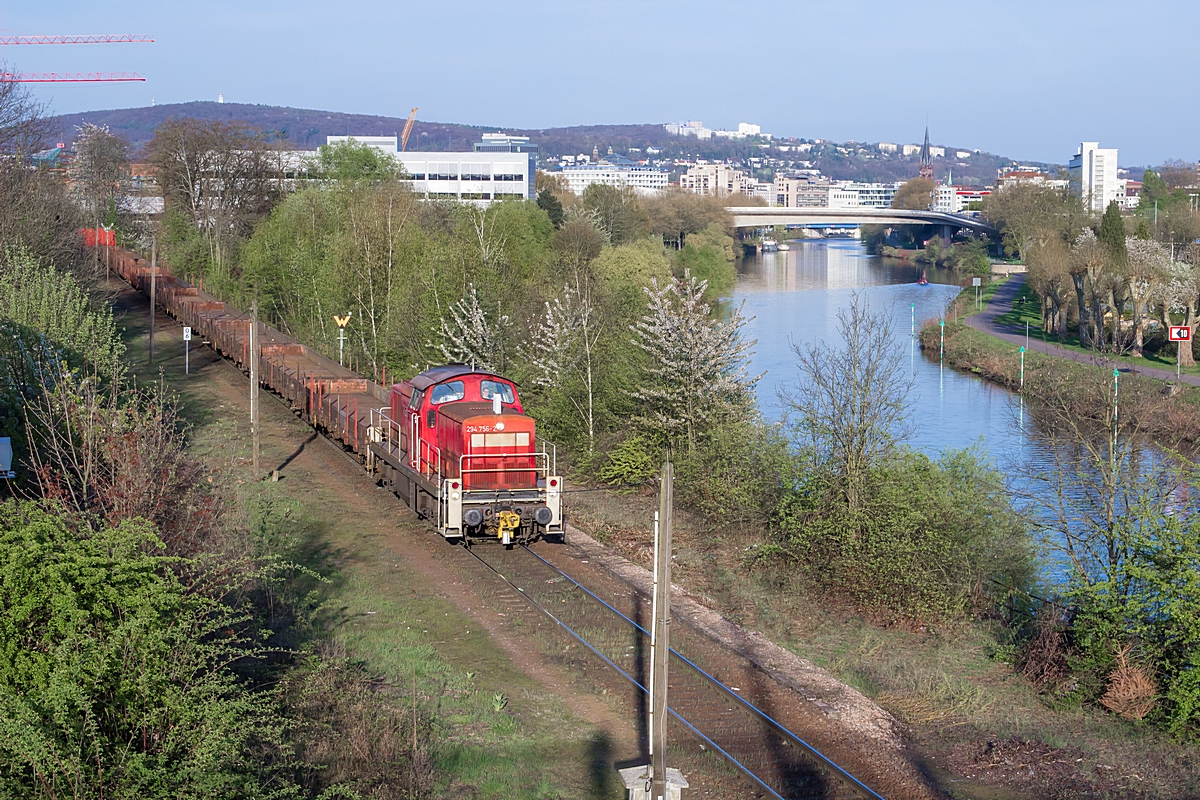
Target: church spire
point(926, 170)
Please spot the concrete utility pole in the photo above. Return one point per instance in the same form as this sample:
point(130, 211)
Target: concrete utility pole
point(254, 381)
point(655, 781)
point(660, 638)
point(153, 269)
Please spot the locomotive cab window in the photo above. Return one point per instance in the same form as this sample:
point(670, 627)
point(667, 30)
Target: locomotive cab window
point(447, 392)
point(417, 395)
point(489, 388)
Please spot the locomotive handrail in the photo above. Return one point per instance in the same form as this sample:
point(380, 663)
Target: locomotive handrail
point(553, 454)
point(464, 471)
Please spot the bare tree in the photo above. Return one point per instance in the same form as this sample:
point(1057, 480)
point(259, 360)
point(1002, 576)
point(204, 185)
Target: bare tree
point(852, 404)
point(221, 176)
point(563, 347)
point(100, 170)
point(1050, 277)
point(1088, 260)
point(1149, 264)
point(1092, 470)
point(23, 126)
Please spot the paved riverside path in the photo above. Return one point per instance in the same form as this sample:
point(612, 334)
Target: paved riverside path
point(1001, 303)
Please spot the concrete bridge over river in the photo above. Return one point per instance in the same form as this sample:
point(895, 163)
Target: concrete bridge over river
point(766, 217)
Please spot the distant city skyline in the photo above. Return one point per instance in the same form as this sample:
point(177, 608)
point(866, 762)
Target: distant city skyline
point(1021, 79)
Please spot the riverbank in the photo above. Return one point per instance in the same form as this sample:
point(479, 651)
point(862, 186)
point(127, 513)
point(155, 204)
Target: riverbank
point(984, 343)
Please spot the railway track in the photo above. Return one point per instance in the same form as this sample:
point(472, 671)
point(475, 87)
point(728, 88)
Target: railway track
point(772, 760)
point(769, 757)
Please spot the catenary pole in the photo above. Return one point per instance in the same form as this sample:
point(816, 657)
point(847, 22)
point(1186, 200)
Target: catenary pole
point(254, 381)
point(153, 299)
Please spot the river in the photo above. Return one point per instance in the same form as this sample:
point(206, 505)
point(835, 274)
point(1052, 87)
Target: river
point(796, 295)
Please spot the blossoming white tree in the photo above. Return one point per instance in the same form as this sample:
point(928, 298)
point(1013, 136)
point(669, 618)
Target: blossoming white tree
point(469, 337)
point(696, 375)
point(563, 349)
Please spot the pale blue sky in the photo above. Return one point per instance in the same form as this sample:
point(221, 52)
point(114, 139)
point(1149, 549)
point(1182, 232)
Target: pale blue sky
point(1026, 78)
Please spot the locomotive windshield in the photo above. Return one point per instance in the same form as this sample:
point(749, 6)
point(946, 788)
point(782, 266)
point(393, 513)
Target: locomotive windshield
point(447, 392)
point(489, 388)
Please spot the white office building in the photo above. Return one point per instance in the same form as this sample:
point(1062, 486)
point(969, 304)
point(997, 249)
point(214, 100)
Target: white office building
point(874, 195)
point(1094, 170)
point(387, 144)
point(956, 199)
point(616, 171)
point(479, 177)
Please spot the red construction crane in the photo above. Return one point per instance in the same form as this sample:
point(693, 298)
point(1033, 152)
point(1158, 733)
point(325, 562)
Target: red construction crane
point(68, 77)
point(412, 117)
point(103, 38)
point(72, 77)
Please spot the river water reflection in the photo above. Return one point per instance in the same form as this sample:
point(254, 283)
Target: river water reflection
point(795, 296)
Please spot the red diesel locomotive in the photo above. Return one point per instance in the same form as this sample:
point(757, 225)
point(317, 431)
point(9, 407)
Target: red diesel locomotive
point(457, 447)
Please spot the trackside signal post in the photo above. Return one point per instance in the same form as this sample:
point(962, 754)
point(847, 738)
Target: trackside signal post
point(655, 781)
point(341, 323)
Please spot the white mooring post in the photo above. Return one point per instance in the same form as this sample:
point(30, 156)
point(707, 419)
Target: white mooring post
point(656, 781)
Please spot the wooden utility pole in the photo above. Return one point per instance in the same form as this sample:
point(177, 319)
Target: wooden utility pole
point(153, 270)
point(660, 634)
point(254, 381)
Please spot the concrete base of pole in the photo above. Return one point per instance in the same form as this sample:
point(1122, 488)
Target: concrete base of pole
point(637, 783)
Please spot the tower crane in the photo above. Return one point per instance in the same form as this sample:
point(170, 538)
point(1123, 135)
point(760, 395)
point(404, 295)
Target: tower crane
point(408, 126)
point(72, 77)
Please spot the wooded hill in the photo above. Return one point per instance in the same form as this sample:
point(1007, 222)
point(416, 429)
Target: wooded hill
point(307, 128)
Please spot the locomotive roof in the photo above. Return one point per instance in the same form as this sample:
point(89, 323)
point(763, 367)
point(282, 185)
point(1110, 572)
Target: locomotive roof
point(460, 412)
point(438, 374)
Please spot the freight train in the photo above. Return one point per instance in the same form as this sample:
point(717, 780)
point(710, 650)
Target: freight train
point(453, 442)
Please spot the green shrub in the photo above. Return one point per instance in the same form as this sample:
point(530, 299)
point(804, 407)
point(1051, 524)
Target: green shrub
point(922, 546)
point(632, 461)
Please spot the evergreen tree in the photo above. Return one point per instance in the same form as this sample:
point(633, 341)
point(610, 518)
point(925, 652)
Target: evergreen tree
point(552, 206)
point(1112, 233)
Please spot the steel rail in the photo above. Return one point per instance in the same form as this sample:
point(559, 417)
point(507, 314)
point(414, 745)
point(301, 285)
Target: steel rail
point(726, 691)
point(571, 632)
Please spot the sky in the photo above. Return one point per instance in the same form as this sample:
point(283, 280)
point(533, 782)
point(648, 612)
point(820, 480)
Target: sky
point(1028, 79)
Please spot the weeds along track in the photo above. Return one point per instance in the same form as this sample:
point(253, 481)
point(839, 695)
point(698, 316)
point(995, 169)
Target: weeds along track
point(768, 756)
point(771, 760)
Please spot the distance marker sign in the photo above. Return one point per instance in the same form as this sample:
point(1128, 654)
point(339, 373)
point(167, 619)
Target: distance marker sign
point(1180, 333)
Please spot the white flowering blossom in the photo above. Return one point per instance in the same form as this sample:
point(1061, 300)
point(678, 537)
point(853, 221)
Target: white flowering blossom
point(561, 352)
point(469, 337)
point(697, 373)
